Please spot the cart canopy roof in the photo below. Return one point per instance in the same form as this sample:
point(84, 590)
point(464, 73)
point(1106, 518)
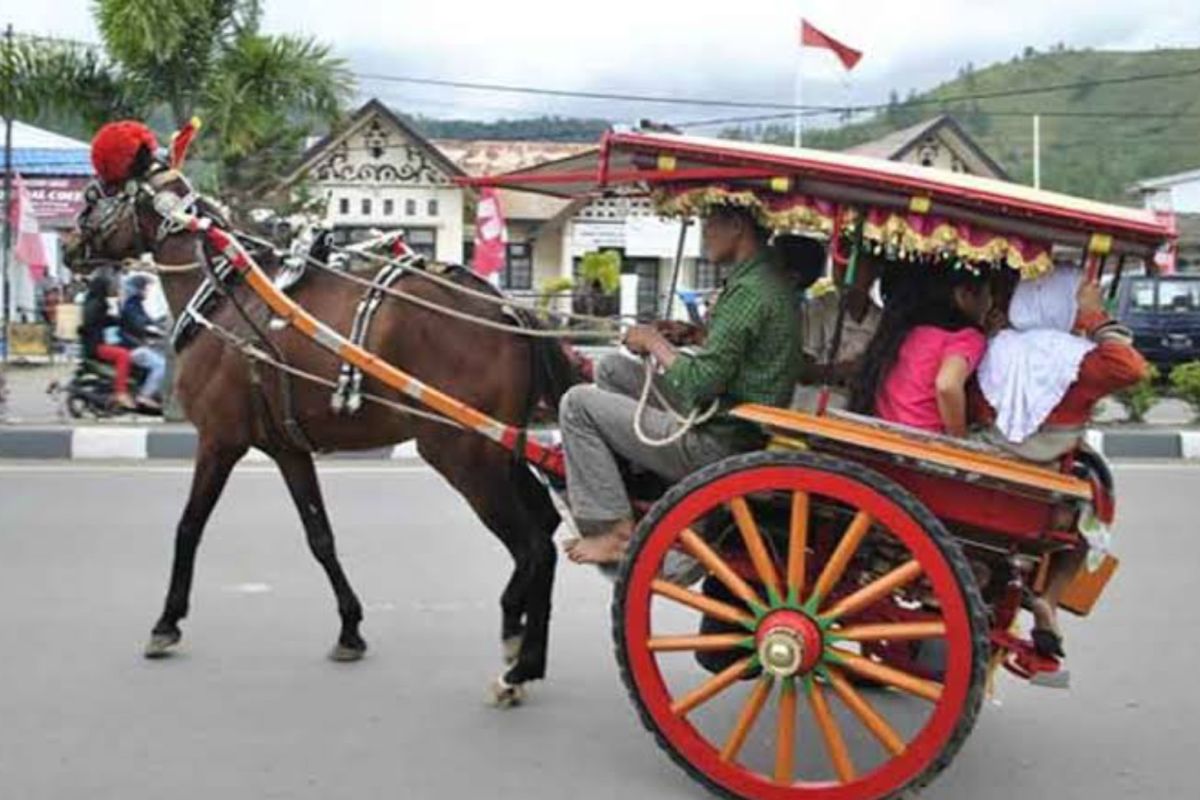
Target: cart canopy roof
point(910, 209)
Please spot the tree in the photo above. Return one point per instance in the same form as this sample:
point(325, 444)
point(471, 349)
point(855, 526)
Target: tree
point(165, 61)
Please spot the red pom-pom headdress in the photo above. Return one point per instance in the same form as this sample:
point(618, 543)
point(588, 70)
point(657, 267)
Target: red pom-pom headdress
point(116, 146)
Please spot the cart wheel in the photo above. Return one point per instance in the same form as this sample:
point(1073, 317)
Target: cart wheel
point(820, 540)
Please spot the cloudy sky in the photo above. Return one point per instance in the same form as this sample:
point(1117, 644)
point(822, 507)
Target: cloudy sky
point(743, 49)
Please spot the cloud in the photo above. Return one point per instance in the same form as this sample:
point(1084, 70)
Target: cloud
point(745, 49)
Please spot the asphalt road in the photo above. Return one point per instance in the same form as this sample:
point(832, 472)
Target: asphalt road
point(251, 708)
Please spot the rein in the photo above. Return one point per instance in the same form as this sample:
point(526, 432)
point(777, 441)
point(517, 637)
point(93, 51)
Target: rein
point(407, 266)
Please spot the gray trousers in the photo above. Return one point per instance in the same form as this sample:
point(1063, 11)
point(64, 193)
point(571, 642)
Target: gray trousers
point(597, 422)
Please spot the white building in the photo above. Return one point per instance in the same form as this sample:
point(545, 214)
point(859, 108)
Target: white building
point(376, 172)
point(1179, 193)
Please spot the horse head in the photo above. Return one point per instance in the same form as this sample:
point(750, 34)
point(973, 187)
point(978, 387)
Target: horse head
point(133, 209)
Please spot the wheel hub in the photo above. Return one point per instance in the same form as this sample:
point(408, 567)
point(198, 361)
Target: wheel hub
point(788, 643)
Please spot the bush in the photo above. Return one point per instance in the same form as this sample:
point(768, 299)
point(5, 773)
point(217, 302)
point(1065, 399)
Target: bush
point(603, 268)
point(1139, 398)
point(1185, 380)
point(552, 287)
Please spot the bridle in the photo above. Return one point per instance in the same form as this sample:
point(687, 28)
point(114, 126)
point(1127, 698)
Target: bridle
point(107, 209)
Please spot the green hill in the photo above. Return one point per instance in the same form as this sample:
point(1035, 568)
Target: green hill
point(1090, 156)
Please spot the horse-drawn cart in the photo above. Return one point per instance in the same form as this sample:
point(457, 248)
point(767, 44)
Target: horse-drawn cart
point(851, 552)
point(844, 595)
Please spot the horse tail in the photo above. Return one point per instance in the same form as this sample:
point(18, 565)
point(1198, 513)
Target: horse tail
point(553, 370)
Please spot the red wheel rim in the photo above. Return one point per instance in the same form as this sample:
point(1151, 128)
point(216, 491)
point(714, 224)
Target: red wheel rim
point(896, 770)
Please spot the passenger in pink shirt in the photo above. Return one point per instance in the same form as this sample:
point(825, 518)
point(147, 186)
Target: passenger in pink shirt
point(928, 345)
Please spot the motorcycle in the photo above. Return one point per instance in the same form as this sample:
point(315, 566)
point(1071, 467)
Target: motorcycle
point(89, 391)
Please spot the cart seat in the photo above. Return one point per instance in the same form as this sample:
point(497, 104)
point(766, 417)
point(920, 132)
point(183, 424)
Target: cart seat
point(961, 481)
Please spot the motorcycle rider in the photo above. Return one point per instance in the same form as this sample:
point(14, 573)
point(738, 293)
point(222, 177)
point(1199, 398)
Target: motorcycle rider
point(97, 318)
point(137, 330)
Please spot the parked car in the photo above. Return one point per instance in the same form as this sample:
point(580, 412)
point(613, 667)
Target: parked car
point(1164, 314)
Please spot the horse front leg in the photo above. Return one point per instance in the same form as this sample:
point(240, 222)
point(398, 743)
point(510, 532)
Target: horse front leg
point(301, 477)
point(213, 464)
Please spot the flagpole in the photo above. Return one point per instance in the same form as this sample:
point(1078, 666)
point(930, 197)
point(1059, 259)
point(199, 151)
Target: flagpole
point(8, 37)
point(798, 99)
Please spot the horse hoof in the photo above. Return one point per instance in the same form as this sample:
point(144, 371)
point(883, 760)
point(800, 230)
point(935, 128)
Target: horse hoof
point(344, 653)
point(505, 694)
point(512, 649)
point(160, 644)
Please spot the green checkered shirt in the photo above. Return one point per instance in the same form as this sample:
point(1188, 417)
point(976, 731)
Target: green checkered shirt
point(751, 353)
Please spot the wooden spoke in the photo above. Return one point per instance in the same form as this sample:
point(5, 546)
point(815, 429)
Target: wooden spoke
point(838, 753)
point(842, 554)
point(745, 721)
point(875, 590)
point(699, 642)
point(755, 545)
point(711, 687)
point(785, 734)
point(695, 544)
point(706, 605)
point(866, 713)
point(929, 690)
point(797, 545)
point(896, 631)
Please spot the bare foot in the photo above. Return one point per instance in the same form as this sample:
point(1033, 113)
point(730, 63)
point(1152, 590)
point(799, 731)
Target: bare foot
point(124, 401)
point(604, 548)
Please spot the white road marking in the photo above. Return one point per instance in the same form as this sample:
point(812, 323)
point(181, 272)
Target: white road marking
point(249, 588)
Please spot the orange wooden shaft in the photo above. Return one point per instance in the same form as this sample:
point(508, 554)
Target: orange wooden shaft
point(699, 548)
point(754, 544)
point(711, 687)
point(706, 605)
point(745, 721)
point(875, 590)
point(867, 668)
point(698, 642)
point(866, 713)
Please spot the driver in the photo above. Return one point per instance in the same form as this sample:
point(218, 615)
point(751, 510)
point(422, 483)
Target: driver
point(750, 355)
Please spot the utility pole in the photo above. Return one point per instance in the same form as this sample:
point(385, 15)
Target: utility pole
point(1037, 151)
point(9, 96)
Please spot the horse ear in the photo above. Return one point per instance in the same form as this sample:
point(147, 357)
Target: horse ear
point(180, 140)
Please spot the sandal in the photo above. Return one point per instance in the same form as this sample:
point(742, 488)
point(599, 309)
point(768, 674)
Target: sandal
point(1047, 643)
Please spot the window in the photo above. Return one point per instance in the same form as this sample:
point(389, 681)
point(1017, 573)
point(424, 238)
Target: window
point(1182, 296)
point(432, 208)
point(707, 275)
point(389, 207)
point(410, 208)
point(422, 240)
point(647, 289)
point(366, 206)
point(518, 266)
point(1142, 295)
point(344, 206)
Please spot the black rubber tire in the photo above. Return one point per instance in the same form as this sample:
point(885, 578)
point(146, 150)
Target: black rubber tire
point(945, 543)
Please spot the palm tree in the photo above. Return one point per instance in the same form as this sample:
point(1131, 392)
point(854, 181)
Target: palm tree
point(165, 61)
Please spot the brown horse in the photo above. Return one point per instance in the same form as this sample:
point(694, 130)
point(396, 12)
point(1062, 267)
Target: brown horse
point(236, 405)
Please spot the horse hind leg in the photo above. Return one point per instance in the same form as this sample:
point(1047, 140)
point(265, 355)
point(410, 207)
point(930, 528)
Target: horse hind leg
point(209, 475)
point(301, 478)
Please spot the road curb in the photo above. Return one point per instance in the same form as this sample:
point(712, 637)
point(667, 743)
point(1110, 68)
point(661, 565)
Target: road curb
point(129, 443)
point(132, 443)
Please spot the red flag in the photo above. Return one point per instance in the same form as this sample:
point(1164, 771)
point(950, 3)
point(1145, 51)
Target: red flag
point(489, 235)
point(811, 37)
point(29, 248)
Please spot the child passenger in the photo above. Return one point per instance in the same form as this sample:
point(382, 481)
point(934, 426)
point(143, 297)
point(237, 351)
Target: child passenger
point(929, 342)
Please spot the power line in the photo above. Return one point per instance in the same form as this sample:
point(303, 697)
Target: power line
point(702, 123)
point(789, 108)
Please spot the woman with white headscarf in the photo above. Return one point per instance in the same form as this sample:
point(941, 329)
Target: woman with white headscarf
point(1039, 383)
